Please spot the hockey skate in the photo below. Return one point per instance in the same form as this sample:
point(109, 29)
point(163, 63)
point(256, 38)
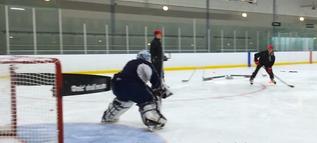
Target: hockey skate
point(251, 80)
point(104, 119)
point(115, 110)
point(152, 117)
point(153, 126)
point(273, 81)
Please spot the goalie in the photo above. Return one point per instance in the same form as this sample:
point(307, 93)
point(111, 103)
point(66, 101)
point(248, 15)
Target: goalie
point(130, 86)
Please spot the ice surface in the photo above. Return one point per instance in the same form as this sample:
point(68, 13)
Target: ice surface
point(216, 111)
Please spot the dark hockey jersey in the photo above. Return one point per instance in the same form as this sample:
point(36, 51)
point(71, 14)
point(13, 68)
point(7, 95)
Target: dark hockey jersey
point(139, 71)
point(265, 58)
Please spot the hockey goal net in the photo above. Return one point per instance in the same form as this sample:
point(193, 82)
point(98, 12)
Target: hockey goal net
point(30, 100)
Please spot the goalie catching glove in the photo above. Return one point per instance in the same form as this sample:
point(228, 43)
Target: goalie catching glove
point(162, 92)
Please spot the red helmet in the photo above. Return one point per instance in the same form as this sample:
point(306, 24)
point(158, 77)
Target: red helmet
point(270, 47)
point(157, 32)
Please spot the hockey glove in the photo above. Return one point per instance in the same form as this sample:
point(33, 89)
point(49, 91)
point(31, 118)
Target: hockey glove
point(162, 92)
point(165, 58)
point(257, 62)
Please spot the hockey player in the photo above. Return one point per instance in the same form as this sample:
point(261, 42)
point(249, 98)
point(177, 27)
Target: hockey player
point(157, 54)
point(130, 86)
point(265, 58)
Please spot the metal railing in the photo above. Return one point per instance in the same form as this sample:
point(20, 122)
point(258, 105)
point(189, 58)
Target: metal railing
point(192, 39)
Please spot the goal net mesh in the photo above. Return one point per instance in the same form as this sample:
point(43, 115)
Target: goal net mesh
point(30, 103)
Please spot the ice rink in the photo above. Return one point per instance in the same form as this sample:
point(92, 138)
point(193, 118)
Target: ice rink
point(57, 57)
point(216, 111)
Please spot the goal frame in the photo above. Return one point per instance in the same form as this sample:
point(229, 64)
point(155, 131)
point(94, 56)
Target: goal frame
point(58, 92)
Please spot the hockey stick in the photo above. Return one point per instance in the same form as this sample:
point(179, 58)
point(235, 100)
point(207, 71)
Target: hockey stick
point(203, 74)
point(289, 85)
point(190, 77)
point(292, 86)
point(214, 77)
point(237, 75)
point(223, 76)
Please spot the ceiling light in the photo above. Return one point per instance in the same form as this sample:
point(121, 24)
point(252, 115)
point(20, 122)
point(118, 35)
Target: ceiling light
point(165, 8)
point(301, 18)
point(47, 0)
point(244, 14)
point(16, 8)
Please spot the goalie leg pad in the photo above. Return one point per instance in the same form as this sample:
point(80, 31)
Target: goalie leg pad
point(151, 115)
point(158, 102)
point(115, 110)
point(167, 91)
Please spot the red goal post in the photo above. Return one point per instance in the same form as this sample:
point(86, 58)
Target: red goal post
point(30, 99)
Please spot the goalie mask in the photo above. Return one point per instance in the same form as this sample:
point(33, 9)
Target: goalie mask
point(144, 55)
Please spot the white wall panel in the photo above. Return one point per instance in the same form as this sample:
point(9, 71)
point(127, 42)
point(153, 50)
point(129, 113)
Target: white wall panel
point(75, 63)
